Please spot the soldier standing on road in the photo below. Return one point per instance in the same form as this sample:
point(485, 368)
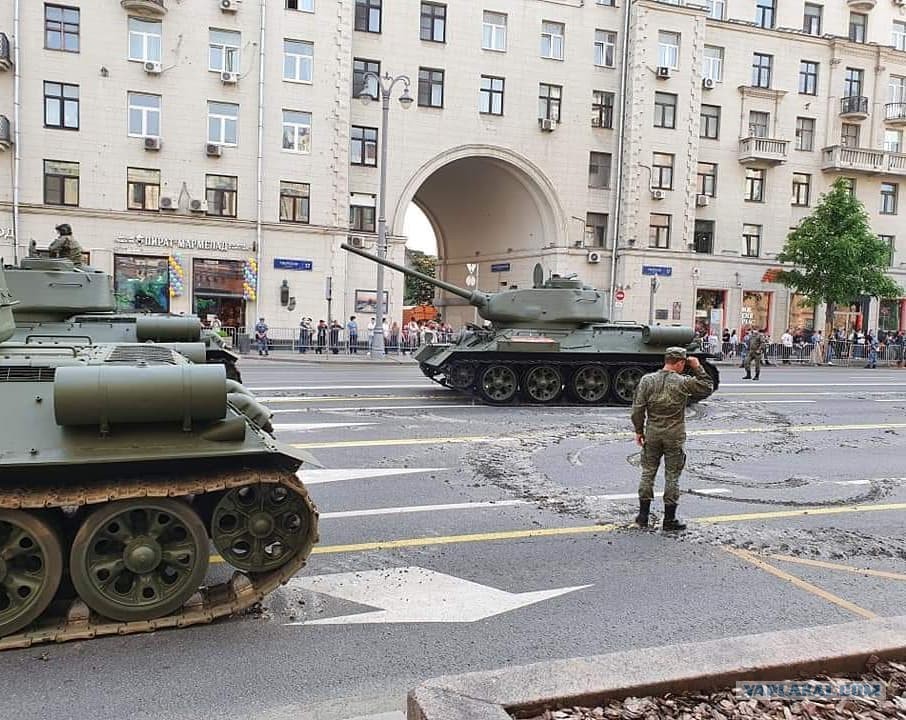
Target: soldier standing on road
point(65, 245)
point(659, 419)
point(757, 343)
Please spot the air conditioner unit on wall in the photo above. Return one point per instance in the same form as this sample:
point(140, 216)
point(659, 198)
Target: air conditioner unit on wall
point(663, 72)
point(152, 143)
point(357, 241)
point(708, 83)
point(594, 257)
point(152, 68)
point(213, 150)
point(229, 5)
point(229, 78)
point(547, 125)
point(657, 194)
point(167, 203)
point(198, 206)
point(702, 200)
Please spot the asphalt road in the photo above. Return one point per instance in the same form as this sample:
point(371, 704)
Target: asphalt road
point(440, 516)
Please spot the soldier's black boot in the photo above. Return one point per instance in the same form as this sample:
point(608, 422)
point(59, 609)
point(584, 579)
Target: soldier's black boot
point(757, 376)
point(644, 509)
point(670, 521)
point(747, 376)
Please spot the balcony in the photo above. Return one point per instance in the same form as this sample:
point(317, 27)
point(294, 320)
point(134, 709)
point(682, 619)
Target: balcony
point(6, 134)
point(854, 108)
point(762, 150)
point(861, 5)
point(154, 8)
point(862, 160)
point(6, 56)
point(895, 113)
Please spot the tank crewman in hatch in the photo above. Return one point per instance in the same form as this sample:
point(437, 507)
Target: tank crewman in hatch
point(659, 419)
point(757, 346)
point(65, 245)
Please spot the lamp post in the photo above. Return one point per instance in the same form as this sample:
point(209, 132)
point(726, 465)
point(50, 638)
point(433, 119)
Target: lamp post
point(385, 84)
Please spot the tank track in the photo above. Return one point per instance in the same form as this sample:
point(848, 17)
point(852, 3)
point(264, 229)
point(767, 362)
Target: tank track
point(240, 593)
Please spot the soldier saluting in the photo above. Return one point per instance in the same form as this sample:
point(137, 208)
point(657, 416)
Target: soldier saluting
point(65, 245)
point(659, 419)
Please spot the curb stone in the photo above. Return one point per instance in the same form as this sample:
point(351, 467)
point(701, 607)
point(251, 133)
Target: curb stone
point(528, 690)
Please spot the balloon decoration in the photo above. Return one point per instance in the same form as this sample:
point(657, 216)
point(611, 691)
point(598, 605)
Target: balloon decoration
point(177, 277)
point(250, 279)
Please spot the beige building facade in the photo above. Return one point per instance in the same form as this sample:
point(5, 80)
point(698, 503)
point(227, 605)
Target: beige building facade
point(212, 155)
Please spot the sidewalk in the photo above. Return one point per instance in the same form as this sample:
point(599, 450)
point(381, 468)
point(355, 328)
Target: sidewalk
point(330, 359)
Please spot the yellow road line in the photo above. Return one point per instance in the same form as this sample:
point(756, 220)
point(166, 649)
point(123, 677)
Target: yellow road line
point(398, 441)
point(802, 584)
point(841, 568)
point(800, 512)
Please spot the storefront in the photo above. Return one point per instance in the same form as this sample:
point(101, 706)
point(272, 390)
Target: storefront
point(141, 283)
point(710, 315)
point(802, 315)
point(891, 315)
point(756, 309)
point(217, 289)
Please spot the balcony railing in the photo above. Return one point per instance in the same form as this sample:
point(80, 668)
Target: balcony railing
point(6, 58)
point(854, 106)
point(895, 113)
point(148, 7)
point(762, 150)
point(838, 157)
point(6, 135)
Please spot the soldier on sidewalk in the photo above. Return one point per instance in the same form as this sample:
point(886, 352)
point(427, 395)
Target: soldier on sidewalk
point(659, 419)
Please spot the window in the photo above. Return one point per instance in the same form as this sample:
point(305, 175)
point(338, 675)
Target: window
point(850, 185)
point(223, 123)
point(758, 123)
point(808, 77)
point(713, 63)
point(896, 89)
point(141, 283)
point(601, 109)
point(898, 39)
point(61, 183)
point(599, 170)
point(802, 184)
point(433, 22)
point(668, 45)
point(811, 19)
point(303, 5)
point(61, 106)
point(552, 40)
point(707, 179)
point(893, 141)
point(295, 202)
point(596, 226)
point(368, 15)
point(142, 189)
point(658, 230)
point(664, 110)
point(144, 40)
point(143, 115)
point(296, 131)
point(61, 28)
point(755, 184)
point(703, 236)
point(852, 82)
point(849, 135)
point(493, 31)
point(764, 13)
point(761, 70)
point(607, 3)
point(858, 24)
point(361, 213)
point(888, 240)
point(363, 146)
point(220, 192)
point(710, 122)
point(716, 9)
point(298, 60)
point(490, 95)
point(889, 198)
point(662, 171)
point(605, 47)
point(751, 237)
point(805, 133)
point(549, 98)
point(430, 87)
point(223, 50)
point(361, 66)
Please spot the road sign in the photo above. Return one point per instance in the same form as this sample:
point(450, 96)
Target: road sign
point(500, 267)
point(663, 270)
point(292, 264)
point(620, 295)
point(470, 281)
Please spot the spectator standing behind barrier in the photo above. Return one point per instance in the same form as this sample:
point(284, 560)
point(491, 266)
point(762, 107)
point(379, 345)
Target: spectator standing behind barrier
point(395, 336)
point(304, 334)
point(335, 329)
point(352, 334)
point(261, 337)
point(322, 337)
point(786, 342)
point(817, 341)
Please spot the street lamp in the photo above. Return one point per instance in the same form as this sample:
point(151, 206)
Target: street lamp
point(385, 85)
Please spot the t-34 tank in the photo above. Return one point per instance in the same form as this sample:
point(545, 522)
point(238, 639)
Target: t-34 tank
point(59, 303)
point(546, 343)
point(120, 465)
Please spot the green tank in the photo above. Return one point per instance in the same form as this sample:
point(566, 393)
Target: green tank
point(60, 303)
point(120, 466)
point(545, 344)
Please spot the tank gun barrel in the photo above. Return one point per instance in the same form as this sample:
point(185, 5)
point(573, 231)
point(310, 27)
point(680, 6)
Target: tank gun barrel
point(476, 298)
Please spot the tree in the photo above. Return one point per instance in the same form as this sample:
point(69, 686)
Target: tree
point(419, 292)
point(836, 255)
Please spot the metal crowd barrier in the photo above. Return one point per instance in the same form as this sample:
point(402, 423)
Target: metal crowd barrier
point(336, 342)
point(835, 352)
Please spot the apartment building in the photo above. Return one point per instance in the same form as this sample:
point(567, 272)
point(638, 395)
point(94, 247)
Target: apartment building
point(213, 154)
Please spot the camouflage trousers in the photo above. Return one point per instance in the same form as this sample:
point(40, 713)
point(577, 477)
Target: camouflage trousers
point(655, 448)
point(753, 358)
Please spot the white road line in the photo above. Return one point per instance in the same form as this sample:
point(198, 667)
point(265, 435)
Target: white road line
point(332, 410)
point(408, 386)
point(758, 402)
point(753, 384)
point(851, 482)
point(305, 427)
point(320, 476)
point(899, 400)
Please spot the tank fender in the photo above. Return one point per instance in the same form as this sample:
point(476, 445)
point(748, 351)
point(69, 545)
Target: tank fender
point(667, 335)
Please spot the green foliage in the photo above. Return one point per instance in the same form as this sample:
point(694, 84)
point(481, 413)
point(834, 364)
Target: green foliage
point(836, 255)
point(418, 292)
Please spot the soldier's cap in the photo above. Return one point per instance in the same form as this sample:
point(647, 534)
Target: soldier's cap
point(675, 353)
point(64, 229)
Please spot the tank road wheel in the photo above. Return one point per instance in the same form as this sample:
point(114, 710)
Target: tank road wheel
point(543, 384)
point(139, 559)
point(590, 384)
point(498, 384)
point(260, 527)
point(625, 382)
point(31, 565)
point(461, 375)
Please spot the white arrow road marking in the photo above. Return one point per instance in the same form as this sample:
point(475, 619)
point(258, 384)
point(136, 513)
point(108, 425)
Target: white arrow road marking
point(319, 476)
point(304, 427)
point(417, 595)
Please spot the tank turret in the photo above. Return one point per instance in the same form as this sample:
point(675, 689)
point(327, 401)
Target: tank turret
point(559, 302)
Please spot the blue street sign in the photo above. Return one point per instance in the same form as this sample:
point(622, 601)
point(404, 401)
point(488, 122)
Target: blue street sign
point(500, 267)
point(663, 270)
point(290, 264)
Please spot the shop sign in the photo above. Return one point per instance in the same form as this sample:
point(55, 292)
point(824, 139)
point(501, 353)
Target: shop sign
point(500, 267)
point(290, 264)
point(7, 232)
point(662, 270)
point(162, 241)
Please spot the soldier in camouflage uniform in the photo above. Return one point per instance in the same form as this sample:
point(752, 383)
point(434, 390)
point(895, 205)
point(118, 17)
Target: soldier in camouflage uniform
point(757, 346)
point(659, 419)
point(65, 246)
